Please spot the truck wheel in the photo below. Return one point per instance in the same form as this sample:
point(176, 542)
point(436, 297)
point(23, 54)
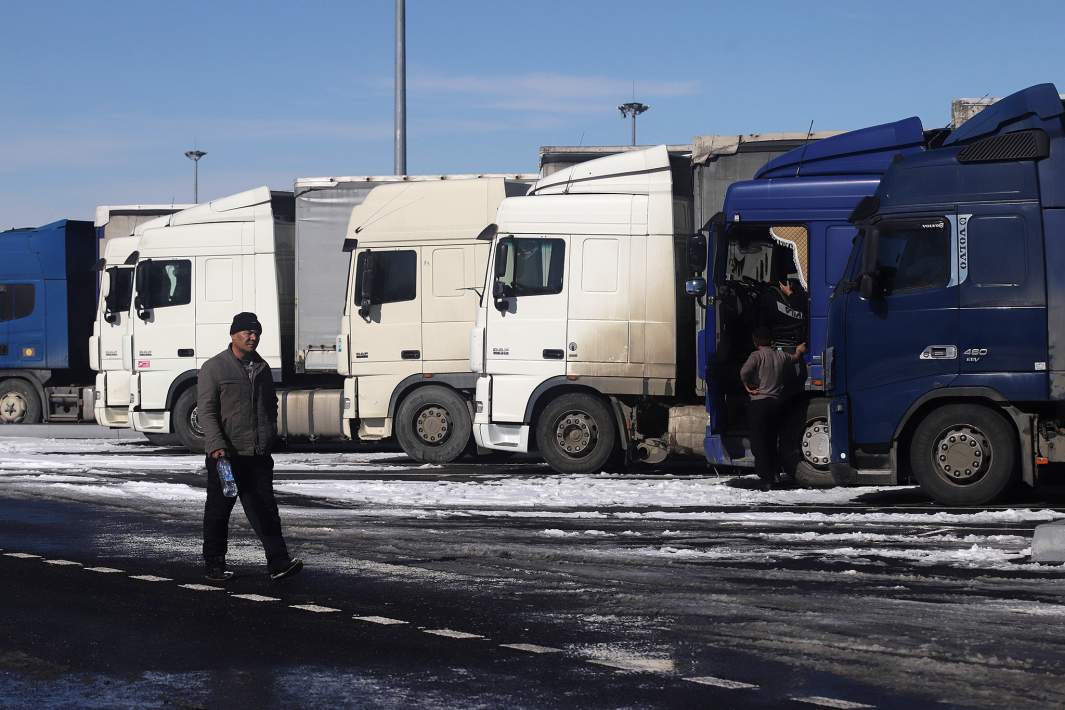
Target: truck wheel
point(575, 433)
point(963, 454)
point(433, 424)
point(19, 403)
point(186, 423)
point(806, 445)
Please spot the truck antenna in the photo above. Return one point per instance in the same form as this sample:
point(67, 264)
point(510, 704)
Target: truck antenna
point(802, 156)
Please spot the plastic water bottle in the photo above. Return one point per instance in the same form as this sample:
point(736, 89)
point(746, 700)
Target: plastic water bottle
point(225, 475)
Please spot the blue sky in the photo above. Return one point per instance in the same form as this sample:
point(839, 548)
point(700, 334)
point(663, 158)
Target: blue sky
point(101, 99)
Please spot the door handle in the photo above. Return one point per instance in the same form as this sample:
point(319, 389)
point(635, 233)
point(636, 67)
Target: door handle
point(185, 352)
point(411, 354)
point(940, 352)
point(553, 355)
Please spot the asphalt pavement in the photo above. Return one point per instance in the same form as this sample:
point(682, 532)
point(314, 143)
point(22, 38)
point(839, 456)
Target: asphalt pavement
point(502, 585)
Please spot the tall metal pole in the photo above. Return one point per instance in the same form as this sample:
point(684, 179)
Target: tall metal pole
point(194, 156)
point(401, 88)
point(634, 109)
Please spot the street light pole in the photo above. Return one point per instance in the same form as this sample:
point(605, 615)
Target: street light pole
point(194, 156)
point(633, 108)
point(401, 89)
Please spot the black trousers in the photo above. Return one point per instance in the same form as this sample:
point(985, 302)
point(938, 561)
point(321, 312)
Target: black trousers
point(255, 488)
point(764, 420)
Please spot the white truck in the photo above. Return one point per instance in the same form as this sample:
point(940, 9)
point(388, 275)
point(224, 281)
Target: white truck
point(116, 227)
point(585, 337)
point(243, 253)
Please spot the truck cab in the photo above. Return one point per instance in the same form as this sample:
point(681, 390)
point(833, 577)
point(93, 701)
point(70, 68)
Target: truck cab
point(47, 292)
point(109, 354)
point(416, 267)
point(584, 335)
point(195, 270)
point(941, 355)
point(790, 222)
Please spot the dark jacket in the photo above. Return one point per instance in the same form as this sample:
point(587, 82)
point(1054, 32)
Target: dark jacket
point(238, 413)
point(784, 315)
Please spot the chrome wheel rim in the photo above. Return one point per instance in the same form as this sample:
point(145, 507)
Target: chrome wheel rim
point(576, 433)
point(816, 443)
point(194, 421)
point(962, 455)
point(433, 425)
point(13, 408)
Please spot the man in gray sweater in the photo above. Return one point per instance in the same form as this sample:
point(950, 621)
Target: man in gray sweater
point(237, 409)
point(766, 376)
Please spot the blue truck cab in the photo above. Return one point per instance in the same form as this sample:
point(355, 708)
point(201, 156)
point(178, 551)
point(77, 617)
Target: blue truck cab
point(790, 220)
point(47, 302)
point(944, 348)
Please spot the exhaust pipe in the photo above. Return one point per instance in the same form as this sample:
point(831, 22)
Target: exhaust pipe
point(651, 451)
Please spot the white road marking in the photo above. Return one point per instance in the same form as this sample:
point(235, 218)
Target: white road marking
point(62, 563)
point(104, 570)
point(832, 703)
point(315, 608)
point(255, 597)
point(652, 665)
point(721, 682)
point(452, 634)
point(150, 578)
point(530, 648)
point(383, 620)
point(202, 587)
point(21, 555)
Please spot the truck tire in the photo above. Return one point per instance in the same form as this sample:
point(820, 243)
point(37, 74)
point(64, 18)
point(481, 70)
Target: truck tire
point(433, 424)
point(185, 423)
point(964, 454)
point(575, 433)
point(805, 445)
point(19, 403)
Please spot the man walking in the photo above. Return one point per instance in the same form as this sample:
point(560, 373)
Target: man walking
point(237, 409)
point(765, 377)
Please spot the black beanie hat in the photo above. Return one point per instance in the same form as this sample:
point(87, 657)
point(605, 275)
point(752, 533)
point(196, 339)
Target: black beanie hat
point(245, 321)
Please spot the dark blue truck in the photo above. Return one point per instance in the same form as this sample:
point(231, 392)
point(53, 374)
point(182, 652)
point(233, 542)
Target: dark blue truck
point(47, 308)
point(790, 220)
point(945, 357)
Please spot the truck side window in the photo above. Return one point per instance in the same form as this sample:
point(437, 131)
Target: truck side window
point(914, 257)
point(169, 283)
point(534, 267)
point(395, 275)
point(991, 265)
point(16, 301)
point(22, 300)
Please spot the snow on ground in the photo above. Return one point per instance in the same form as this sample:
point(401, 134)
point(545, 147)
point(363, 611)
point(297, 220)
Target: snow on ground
point(719, 518)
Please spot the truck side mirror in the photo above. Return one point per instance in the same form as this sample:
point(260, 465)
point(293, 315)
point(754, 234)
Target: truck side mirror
point(697, 252)
point(366, 284)
point(869, 285)
point(143, 284)
point(695, 287)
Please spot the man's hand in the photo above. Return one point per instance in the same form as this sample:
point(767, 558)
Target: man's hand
point(751, 390)
point(799, 352)
point(217, 453)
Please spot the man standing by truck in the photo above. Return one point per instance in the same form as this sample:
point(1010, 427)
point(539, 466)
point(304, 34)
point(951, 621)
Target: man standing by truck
point(766, 376)
point(238, 413)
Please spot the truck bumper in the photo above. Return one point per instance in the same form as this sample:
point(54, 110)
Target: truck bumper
point(727, 451)
point(152, 422)
point(113, 417)
point(502, 437)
